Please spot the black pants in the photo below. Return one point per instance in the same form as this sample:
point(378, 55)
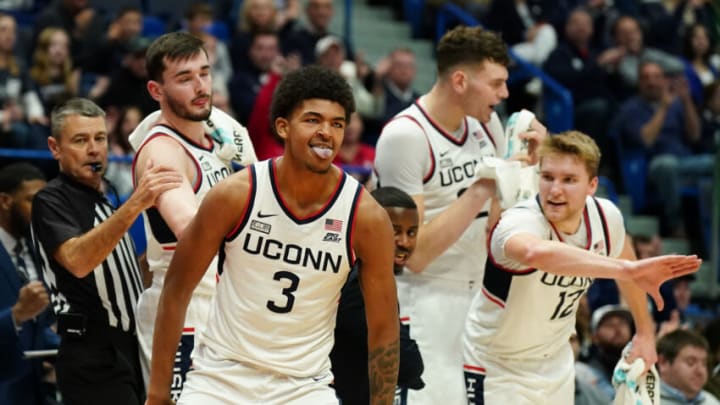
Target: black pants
point(101, 367)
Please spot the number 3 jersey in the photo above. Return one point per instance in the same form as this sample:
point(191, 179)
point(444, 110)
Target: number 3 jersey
point(280, 279)
point(528, 313)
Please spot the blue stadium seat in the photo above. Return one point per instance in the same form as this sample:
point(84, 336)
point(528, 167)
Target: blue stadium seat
point(633, 168)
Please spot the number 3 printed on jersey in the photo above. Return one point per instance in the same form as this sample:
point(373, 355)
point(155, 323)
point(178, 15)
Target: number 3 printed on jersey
point(287, 292)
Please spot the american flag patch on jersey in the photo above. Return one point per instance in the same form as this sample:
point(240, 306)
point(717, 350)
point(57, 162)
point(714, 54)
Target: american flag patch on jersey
point(334, 225)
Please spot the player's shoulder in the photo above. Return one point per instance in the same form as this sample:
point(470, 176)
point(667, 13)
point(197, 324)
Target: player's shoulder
point(608, 208)
point(406, 122)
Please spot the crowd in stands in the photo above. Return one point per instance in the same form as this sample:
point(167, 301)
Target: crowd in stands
point(644, 77)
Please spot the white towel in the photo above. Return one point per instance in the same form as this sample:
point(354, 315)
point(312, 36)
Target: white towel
point(513, 182)
point(518, 123)
point(632, 388)
point(235, 145)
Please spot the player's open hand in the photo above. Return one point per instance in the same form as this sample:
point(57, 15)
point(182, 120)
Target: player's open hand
point(650, 273)
point(155, 181)
point(534, 136)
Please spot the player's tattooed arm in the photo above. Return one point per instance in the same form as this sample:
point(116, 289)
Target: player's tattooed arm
point(383, 363)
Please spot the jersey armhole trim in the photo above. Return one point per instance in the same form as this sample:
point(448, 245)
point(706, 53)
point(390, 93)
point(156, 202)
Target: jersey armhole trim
point(351, 229)
point(248, 207)
point(198, 173)
point(606, 230)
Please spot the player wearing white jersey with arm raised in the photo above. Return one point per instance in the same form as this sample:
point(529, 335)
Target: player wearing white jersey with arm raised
point(180, 81)
point(544, 254)
point(288, 230)
point(430, 151)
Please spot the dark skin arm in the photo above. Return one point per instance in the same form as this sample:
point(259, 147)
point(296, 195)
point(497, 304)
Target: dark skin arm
point(222, 207)
point(373, 242)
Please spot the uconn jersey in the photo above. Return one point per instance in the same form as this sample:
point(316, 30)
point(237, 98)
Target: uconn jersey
point(280, 279)
point(450, 172)
point(161, 241)
point(529, 313)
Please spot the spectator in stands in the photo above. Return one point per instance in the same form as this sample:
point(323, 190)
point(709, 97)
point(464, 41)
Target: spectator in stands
point(52, 68)
point(249, 79)
point(330, 53)
point(110, 51)
point(682, 363)
point(25, 324)
point(624, 58)
point(697, 48)
point(398, 82)
point(710, 137)
point(712, 334)
point(22, 116)
point(119, 174)
point(354, 152)
point(612, 328)
point(303, 38)
point(665, 21)
point(266, 142)
point(128, 83)
point(260, 16)
point(79, 19)
point(574, 64)
point(662, 121)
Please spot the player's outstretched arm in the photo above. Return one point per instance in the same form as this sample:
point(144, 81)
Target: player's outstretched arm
point(559, 258)
point(219, 212)
point(373, 242)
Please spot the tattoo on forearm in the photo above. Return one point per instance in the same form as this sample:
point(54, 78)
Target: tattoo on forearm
point(383, 366)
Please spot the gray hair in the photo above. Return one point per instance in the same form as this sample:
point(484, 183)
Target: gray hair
point(74, 106)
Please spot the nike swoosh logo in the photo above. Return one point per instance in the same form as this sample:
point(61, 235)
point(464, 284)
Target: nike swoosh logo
point(317, 379)
point(442, 154)
point(261, 215)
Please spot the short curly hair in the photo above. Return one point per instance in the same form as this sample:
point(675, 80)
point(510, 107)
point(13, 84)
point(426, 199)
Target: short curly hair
point(308, 83)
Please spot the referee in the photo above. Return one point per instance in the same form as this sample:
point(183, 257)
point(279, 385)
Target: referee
point(89, 260)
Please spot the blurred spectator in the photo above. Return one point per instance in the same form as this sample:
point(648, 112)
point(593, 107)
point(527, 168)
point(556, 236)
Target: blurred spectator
point(666, 20)
point(525, 26)
point(266, 142)
point(24, 323)
point(302, 38)
point(574, 64)
point(612, 328)
point(624, 58)
point(712, 334)
point(260, 16)
point(52, 68)
point(79, 20)
point(330, 52)
point(22, 114)
point(111, 49)
point(248, 80)
point(221, 93)
point(710, 120)
point(355, 153)
point(697, 48)
point(682, 363)
point(662, 121)
point(128, 84)
point(119, 174)
point(398, 83)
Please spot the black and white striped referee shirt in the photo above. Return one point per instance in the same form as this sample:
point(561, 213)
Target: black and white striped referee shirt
point(108, 295)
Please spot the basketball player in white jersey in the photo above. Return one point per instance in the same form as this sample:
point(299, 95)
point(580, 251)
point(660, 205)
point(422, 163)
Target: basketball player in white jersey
point(288, 230)
point(544, 254)
point(180, 81)
point(430, 151)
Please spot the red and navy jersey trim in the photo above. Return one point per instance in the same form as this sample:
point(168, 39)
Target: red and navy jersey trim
point(445, 134)
point(248, 207)
point(489, 135)
point(190, 141)
point(351, 226)
point(606, 231)
point(312, 217)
